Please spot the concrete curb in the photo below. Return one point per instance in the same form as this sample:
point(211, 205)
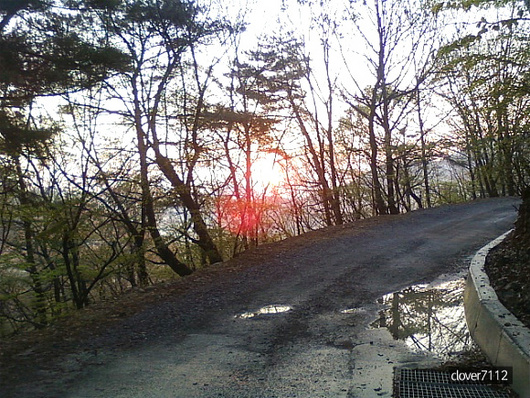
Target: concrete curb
point(498, 333)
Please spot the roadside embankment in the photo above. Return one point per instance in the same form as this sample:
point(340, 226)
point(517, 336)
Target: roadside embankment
point(498, 333)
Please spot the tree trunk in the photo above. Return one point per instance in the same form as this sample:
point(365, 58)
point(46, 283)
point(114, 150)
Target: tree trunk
point(424, 162)
point(205, 240)
point(522, 225)
point(162, 249)
point(335, 197)
point(317, 165)
point(39, 302)
point(380, 207)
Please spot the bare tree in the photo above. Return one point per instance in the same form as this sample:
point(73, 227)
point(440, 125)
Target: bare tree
point(400, 31)
point(284, 72)
point(157, 37)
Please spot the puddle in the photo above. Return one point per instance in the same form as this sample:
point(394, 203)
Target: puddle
point(269, 309)
point(428, 317)
point(359, 310)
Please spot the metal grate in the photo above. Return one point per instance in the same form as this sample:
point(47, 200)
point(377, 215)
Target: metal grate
point(426, 383)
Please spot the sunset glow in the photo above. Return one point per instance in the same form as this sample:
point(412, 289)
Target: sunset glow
point(267, 172)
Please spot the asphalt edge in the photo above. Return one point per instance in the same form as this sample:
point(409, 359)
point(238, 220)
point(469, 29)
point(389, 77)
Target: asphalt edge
point(498, 333)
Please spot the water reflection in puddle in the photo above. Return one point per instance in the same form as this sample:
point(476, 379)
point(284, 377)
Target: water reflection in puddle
point(269, 309)
point(428, 317)
point(359, 310)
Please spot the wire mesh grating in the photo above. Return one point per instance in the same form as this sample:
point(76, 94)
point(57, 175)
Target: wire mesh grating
point(426, 383)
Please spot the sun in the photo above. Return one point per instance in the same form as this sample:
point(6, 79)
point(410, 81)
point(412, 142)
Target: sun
point(267, 172)
point(240, 215)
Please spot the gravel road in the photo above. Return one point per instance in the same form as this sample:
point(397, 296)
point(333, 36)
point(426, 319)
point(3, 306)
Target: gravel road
point(277, 327)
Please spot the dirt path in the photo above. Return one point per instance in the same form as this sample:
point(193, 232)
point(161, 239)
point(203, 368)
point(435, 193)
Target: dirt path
point(209, 339)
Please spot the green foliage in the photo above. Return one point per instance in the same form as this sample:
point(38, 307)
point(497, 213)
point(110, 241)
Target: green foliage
point(466, 5)
point(16, 134)
point(15, 293)
point(451, 192)
point(486, 76)
point(73, 233)
point(49, 53)
point(278, 66)
point(45, 51)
